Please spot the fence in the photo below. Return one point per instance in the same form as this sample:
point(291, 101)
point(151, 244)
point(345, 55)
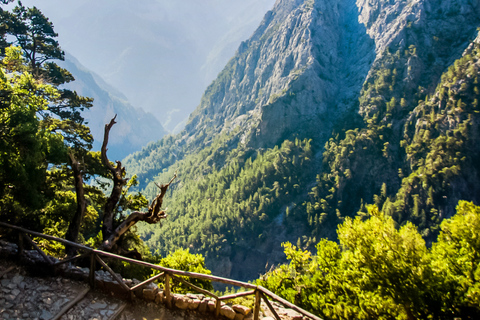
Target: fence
point(259, 292)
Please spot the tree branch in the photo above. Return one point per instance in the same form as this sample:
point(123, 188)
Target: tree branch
point(152, 216)
point(118, 182)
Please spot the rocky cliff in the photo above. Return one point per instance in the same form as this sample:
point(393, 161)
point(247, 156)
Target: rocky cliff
point(303, 66)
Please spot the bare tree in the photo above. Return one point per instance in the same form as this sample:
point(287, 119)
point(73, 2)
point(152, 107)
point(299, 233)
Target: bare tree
point(112, 234)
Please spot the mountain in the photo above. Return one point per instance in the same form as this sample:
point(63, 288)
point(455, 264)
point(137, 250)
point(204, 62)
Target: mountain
point(161, 54)
point(330, 105)
point(134, 129)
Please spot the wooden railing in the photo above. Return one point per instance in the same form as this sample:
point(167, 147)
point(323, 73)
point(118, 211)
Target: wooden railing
point(259, 292)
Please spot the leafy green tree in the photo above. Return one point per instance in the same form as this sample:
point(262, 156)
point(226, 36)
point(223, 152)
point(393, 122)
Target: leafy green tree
point(34, 33)
point(183, 260)
point(456, 258)
point(25, 144)
point(377, 271)
point(393, 263)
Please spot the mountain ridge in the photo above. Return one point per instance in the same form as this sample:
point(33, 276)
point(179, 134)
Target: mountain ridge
point(135, 127)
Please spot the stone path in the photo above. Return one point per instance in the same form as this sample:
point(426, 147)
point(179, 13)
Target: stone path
point(37, 298)
point(23, 296)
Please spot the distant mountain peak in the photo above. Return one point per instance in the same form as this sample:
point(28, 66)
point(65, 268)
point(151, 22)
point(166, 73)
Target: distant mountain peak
point(135, 128)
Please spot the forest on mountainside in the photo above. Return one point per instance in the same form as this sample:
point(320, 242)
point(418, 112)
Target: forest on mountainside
point(410, 152)
point(407, 142)
point(379, 271)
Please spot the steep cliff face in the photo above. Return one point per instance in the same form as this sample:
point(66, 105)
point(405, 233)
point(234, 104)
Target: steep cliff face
point(439, 31)
point(303, 65)
point(250, 157)
point(306, 63)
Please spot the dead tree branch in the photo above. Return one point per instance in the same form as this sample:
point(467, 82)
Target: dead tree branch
point(152, 216)
point(118, 172)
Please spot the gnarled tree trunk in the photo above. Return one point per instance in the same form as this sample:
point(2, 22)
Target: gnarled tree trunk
point(118, 182)
point(74, 226)
point(154, 214)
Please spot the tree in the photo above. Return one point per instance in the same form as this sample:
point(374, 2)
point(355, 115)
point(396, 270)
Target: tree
point(377, 271)
point(394, 263)
point(64, 160)
point(182, 259)
point(35, 34)
point(112, 230)
point(24, 143)
point(456, 258)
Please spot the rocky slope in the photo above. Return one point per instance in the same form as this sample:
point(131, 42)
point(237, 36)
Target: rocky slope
point(348, 76)
point(287, 76)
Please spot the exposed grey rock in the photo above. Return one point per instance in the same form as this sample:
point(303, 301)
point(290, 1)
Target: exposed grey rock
point(17, 279)
point(304, 69)
point(150, 293)
point(227, 312)
point(98, 305)
point(45, 315)
point(241, 309)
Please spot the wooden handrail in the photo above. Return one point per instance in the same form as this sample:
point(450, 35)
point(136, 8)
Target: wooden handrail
point(46, 236)
point(259, 291)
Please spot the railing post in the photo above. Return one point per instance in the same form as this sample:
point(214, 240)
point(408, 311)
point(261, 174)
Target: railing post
point(218, 306)
point(91, 276)
point(256, 311)
point(20, 244)
point(166, 290)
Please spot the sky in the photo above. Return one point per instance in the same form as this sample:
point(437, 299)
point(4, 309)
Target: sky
point(161, 54)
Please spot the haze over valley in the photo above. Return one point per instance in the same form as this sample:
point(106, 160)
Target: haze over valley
point(160, 54)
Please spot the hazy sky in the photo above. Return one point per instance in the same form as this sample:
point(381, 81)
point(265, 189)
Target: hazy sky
point(161, 54)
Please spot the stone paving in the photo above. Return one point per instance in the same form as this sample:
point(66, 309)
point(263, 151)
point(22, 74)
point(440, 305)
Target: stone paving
point(94, 306)
point(23, 296)
point(37, 298)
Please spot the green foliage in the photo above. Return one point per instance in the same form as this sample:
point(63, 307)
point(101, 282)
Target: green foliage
point(183, 260)
point(24, 143)
point(34, 33)
point(456, 258)
point(380, 272)
point(247, 301)
point(414, 154)
point(41, 125)
point(441, 149)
